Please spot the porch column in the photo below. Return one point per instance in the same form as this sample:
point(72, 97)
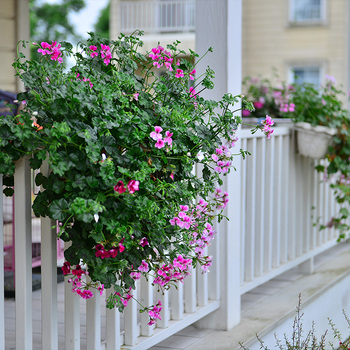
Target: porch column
point(2, 302)
point(218, 24)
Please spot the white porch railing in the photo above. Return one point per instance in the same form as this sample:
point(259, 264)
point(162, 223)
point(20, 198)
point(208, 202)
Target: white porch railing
point(156, 16)
point(278, 190)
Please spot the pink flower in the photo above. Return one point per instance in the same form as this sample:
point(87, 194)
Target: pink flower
point(66, 268)
point(168, 138)
point(171, 176)
point(193, 92)
point(136, 96)
point(143, 242)
point(258, 104)
point(133, 186)
point(245, 113)
point(144, 267)
point(155, 135)
point(135, 275)
point(160, 144)
point(192, 74)
point(119, 187)
point(179, 73)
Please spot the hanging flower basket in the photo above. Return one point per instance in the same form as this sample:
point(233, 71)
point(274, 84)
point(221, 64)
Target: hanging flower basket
point(313, 141)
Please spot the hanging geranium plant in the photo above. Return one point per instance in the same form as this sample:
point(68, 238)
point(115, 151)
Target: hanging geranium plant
point(122, 142)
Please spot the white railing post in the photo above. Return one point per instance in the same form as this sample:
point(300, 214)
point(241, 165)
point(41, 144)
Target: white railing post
point(71, 314)
point(93, 321)
point(23, 254)
point(49, 324)
point(113, 338)
point(219, 25)
point(2, 300)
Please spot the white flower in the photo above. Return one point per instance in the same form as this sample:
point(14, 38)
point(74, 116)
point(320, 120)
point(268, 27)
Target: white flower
point(200, 155)
point(35, 113)
point(96, 217)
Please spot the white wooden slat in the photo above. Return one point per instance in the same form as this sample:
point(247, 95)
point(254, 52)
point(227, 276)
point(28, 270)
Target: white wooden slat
point(71, 315)
point(130, 322)
point(177, 301)
point(214, 275)
point(279, 198)
point(2, 300)
point(285, 216)
point(113, 337)
point(269, 243)
point(315, 228)
point(23, 254)
point(165, 313)
point(146, 300)
point(49, 312)
point(306, 207)
point(93, 321)
point(202, 285)
point(251, 214)
point(260, 206)
point(244, 211)
point(190, 292)
point(300, 205)
point(292, 197)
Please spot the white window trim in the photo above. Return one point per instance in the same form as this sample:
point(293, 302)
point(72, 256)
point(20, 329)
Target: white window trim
point(321, 21)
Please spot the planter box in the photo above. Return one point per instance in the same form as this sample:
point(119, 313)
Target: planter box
point(313, 141)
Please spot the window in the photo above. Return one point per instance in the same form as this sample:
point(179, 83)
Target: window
point(307, 11)
point(305, 74)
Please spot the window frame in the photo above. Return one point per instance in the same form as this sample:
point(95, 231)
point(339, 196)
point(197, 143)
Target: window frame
point(301, 22)
point(293, 67)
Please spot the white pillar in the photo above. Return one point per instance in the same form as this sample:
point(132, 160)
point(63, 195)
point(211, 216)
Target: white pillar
point(114, 25)
point(2, 302)
point(218, 24)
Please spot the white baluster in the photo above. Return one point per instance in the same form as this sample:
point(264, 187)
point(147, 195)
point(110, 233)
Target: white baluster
point(23, 254)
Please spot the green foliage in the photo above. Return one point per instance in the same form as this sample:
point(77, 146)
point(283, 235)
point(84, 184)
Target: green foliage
point(102, 25)
point(95, 122)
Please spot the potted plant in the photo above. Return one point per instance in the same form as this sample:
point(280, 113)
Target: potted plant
point(267, 99)
point(318, 116)
point(122, 143)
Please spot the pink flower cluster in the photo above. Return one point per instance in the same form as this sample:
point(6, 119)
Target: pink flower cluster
point(125, 299)
point(102, 253)
point(232, 140)
point(161, 57)
point(133, 186)
point(158, 137)
point(266, 126)
point(222, 158)
point(282, 102)
point(154, 313)
point(221, 198)
point(192, 92)
point(182, 220)
point(52, 50)
point(78, 285)
point(105, 52)
point(177, 271)
point(85, 79)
